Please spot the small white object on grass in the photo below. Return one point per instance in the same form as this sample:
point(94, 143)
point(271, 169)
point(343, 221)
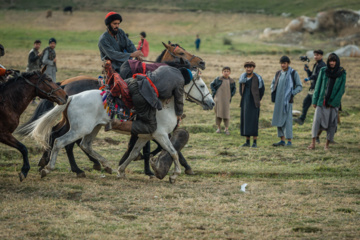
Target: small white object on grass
point(243, 187)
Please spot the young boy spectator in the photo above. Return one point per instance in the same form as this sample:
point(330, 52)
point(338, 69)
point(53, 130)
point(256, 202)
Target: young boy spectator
point(326, 100)
point(223, 89)
point(285, 85)
point(251, 88)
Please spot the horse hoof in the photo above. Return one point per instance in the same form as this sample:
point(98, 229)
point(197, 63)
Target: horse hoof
point(121, 175)
point(43, 173)
point(108, 170)
point(21, 176)
point(97, 167)
point(189, 172)
point(172, 180)
point(81, 175)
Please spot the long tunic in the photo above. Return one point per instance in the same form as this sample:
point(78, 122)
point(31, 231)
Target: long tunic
point(51, 65)
point(280, 116)
point(222, 99)
point(249, 119)
point(113, 48)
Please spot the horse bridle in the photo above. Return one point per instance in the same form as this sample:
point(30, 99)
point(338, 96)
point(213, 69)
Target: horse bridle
point(189, 98)
point(42, 78)
point(174, 56)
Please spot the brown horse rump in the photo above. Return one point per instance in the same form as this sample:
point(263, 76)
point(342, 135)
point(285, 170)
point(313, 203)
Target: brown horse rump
point(161, 164)
point(78, 78)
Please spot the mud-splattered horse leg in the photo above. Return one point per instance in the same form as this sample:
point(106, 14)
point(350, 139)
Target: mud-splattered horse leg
point(140, 143)
point(146, 154)
point(86, 146)
point(10, 140)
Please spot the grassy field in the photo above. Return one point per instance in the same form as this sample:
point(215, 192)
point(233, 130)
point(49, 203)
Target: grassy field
point(275, 7)
point(292, 193)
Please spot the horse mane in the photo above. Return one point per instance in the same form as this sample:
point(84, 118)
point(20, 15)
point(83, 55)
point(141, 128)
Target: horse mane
point(14, 79)
point(158, 59)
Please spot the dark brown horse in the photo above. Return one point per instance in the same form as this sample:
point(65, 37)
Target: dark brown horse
point(15, 96)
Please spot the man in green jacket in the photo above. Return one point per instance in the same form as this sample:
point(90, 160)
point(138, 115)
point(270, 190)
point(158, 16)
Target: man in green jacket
point(329, 89)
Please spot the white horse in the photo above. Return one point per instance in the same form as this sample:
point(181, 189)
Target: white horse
point(86, 115)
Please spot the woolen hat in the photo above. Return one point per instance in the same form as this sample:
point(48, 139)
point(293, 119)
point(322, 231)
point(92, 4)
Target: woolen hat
point(52, 40)
point(112, 16)
point(284, 59)
point(250, 63)
point(187, 74)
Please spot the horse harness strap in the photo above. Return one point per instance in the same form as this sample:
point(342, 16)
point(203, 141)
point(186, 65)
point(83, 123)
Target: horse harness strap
point(192, 99)
point(49, 94)
point(151, 83)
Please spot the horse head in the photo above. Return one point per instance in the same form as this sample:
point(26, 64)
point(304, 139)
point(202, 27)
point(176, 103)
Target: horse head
point(45, 87)
point(197, 91)
point(174, 51)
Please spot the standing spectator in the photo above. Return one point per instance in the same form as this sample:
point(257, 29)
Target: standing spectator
point(143, 44)
point(285, 85)
point(251, 88)
point(113, 42)
point(223, 89)
point(34, 58)
point(197, 42)
point(49, 59)
point(329, 90)
point(312, 77)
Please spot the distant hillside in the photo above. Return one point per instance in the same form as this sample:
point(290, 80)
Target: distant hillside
point(274, 7)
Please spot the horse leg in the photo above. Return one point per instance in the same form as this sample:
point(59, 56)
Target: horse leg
point(184, 163)
point(86, 146)
point(157, 150)
point(44, 160)
point(133, 154)
point(59, 143)
point(182, 159)
point(8, 139)
point(74, 167)
point(146, 153)
point(96, 165)
point(131, 145)
point(164, 141)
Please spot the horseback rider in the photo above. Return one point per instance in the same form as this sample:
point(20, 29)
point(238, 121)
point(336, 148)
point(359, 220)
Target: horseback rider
point(3, 71)
point(146, 90)
point(114, 41)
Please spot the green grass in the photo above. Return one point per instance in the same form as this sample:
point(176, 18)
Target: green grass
point(276, 7)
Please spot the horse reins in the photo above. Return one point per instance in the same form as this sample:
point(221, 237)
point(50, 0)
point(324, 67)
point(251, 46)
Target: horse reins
point(189, 98)
point(49, 94)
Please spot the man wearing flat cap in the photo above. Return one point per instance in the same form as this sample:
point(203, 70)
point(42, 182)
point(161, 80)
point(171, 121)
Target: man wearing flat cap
point(113, 43)
point(312, 77)
point(252, 90)
point(49, 59)
point(285, 85)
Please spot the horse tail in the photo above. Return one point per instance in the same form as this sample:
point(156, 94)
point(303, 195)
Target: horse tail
point(43, 107)
point(41, 129)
